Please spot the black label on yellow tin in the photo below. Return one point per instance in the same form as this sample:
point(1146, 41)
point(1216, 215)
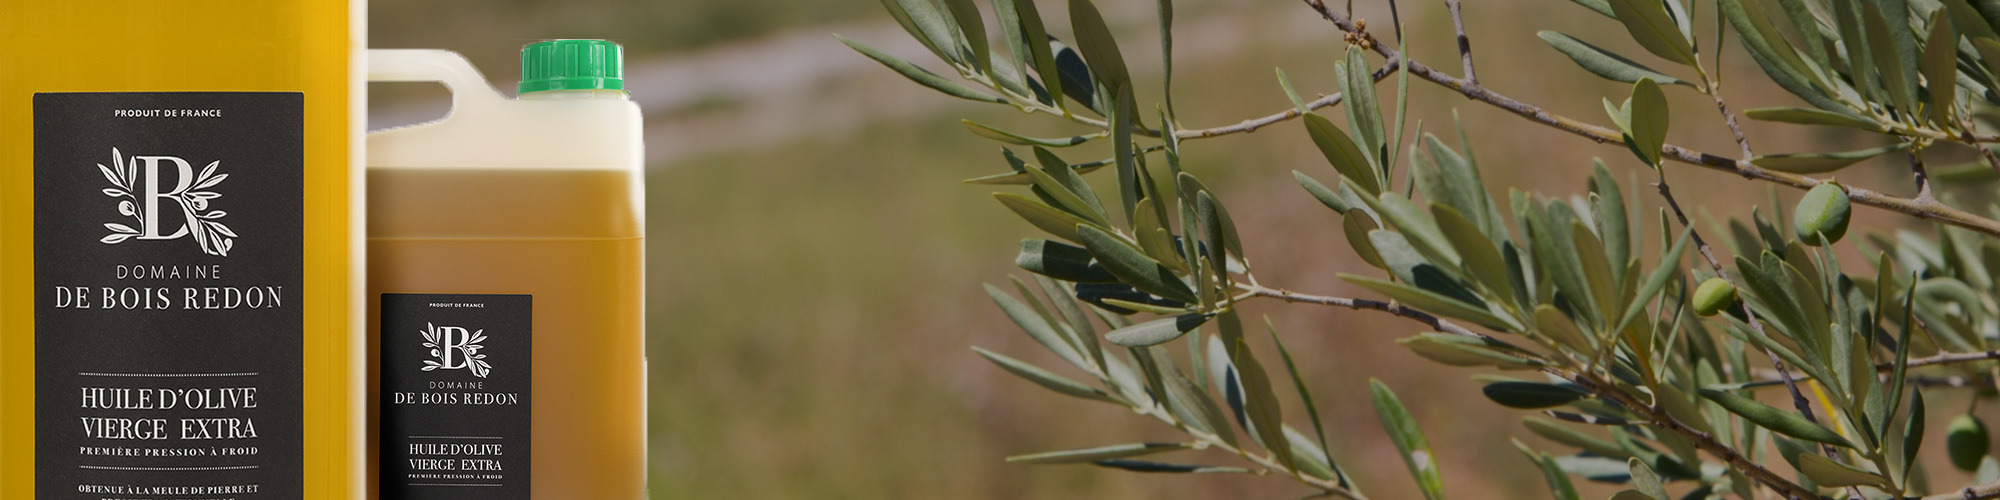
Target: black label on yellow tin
point(456, 374)
point(168, 317)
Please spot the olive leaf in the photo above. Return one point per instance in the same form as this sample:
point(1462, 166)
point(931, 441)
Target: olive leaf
point(1777, 420)
point(1433, 301)
point(1827, 472)
point(1480, 257)
point(921, 19)
point(1259, 410)
point(1041, 215)
point(1144, 466)
point(1551, 322)
point(1364, 115)
point(1007, 15)
point(1669, 266)
point(1320, 192)
point(1459, 350)
point(1913, 433)
point(1098, 453)
point(1888, 57)
point(1100, 49)
point(1318, 450)
point(1820, 163)
point(989, 132)
point(1285, 83)
point(1604, 63)
point(1132, 266)
point(1599, 6)
point(1559, 433)
point(1645, 481)
point(1649, 24)
point(1940, 68)
point(1410, 442)
point(1775, 55)
point(1044, 378)
point(1040, 50)
point(972, 30)
point(920, 75)
point(1808, 116)
point(1345, 156)
point(1358, 226)
point(1647, 131)
point(1039, 326)
point(1552, 473)
point(1061, 261)
point(1531, 395)
point(1156, 331)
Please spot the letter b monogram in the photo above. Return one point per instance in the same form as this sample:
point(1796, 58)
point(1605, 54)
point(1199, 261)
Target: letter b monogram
point(451, 341)
point(184, 173)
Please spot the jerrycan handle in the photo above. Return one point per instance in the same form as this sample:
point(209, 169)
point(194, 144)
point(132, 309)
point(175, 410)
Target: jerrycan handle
point(469, 90)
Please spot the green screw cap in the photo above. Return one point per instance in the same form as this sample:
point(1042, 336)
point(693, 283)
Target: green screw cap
point(572, 65)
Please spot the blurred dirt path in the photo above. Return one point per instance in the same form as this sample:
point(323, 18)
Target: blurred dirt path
point(804, 84)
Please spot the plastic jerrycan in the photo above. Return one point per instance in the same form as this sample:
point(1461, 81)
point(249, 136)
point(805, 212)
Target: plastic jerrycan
point(506, 283)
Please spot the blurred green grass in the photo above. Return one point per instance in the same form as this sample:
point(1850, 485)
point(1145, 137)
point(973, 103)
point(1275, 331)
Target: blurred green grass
point(811, 301)
point(649, 27)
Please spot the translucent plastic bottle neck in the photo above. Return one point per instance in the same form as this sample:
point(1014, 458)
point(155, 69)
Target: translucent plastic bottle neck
point(578, 94)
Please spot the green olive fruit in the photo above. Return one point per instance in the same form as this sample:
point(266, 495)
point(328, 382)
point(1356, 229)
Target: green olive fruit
point(1966, 441)
point(1824, 211)
point(1713, 296)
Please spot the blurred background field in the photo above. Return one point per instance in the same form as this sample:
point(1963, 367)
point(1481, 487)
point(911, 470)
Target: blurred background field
point(815, 262)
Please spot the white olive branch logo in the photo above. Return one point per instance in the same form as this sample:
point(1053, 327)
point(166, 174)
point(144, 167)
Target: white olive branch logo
point(140, 199)
point(454, 348)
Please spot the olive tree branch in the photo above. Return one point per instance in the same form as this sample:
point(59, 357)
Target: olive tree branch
point(1464, 43)
point(1949, 358)
point(1945, 381)
point(1251, 125)
point(1945, 359)
point(1708, 253)
point(1920, 208)
point(1987, 152)
point(1206, 439)
point(1952, 381)
point(1922, 176)
point(1729, 118)
point(1799, 401)
point(1327, 487)
point(1712, 85)
point(1242, 127)
point(1923, 206)
point(1472, 90)
point(1703, 440)
point(1397, 309)
point(1656, 416)
point(1988, 491)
